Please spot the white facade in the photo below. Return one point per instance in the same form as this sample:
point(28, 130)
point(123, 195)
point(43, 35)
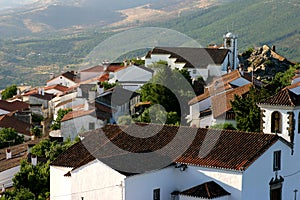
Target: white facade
point(71, 128)
point(131, 77)
point(94, 180)
point(61, 80)
point(253, 183)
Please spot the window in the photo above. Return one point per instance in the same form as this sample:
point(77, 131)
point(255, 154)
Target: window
point(276, 122)
point(276, 160)
point(91, 126)
point(156, 194)
point(194, 71)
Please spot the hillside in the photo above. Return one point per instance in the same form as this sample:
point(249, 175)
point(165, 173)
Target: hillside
point(256, 22)
point(35, 40)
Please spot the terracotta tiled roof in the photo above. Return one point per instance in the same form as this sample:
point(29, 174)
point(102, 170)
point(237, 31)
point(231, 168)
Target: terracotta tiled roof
point(97, 68)
point(293, 86)
point(208, 190)
point(104, 77)
point(221, 102)
point(51, 87)
point(218, 85)
point(193, 57)
point(283, 98)
point(224, 148)
point(46, 96)
point(19, 152)
point(69, 75)
point(113, 68)
point(9, 121)
point(13, 106)
point(76, 114)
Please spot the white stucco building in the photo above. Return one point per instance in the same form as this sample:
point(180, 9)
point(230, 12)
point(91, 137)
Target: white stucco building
point(219, 164)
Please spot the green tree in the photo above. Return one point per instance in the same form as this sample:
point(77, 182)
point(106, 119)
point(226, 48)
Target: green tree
point(8, 136)
point(34, 178)
point(108, 85)
point(36, 131)
point(247, 113)
point(170, 89)
point(283, 79)
point(20, 194)
point(125, 120)
point(226, 126)
point(60, 114)
point(9, 92)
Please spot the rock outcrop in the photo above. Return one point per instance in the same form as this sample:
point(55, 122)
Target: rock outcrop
point(264, 62)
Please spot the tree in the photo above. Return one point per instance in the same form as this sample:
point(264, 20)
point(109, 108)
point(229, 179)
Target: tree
point(8, 136)
point(226, 126)
point(36, 179)
point(36, 131)
point(283, 79)
point(60, 114)
point(108, 85)
point(247, 113)
point(169, 89)
point(9, 92)
point(33, 182)
point(125, 120)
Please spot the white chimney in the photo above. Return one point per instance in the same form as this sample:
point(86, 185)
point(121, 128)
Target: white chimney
point(43, 91)
point(34, 160)
point(8, 154)
point(100, 88)
point(39, 90)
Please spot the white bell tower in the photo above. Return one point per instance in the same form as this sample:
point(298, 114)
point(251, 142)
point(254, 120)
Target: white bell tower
point(230, 42)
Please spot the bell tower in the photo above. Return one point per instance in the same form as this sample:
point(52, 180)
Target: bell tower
point(230, 43)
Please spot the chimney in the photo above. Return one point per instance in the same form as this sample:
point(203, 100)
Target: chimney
point(8, 154)
point(34, 160)
point(274, 48)
point(39, 91)
point(43, 91)
point(100, 88)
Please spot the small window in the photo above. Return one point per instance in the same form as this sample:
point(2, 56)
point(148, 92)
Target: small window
point(156, 194)
point(194, 71)
point(91, 126)
point(276, 160)
point(276, 122)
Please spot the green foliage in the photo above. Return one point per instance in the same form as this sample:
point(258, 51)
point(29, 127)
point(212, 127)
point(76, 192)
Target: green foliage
point(158, 115)
point(169, 89)
point(247, 113)
point(60, 114)
point(125, 120)
point(51, 150)
point(37, 118)
point(8, 136)
point(158, 65)
point(35, 179)
point(283, 79)
point(36, 131)
point(20, 194)
point(108, 85)
point(9, 92)
point(226, 126)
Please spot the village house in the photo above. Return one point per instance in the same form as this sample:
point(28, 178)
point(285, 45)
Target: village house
point(67, 79)
point(213, 106)
point(21, 127)
point(131, 77)
point(10, 160)
point(220, 164)
point(204, 62)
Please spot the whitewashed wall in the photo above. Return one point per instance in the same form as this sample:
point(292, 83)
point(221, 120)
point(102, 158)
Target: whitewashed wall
point(258, 175)
point(97, 181)
point(71, 128)
point(172, 179)
point(60, 186)
point(62, 81)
